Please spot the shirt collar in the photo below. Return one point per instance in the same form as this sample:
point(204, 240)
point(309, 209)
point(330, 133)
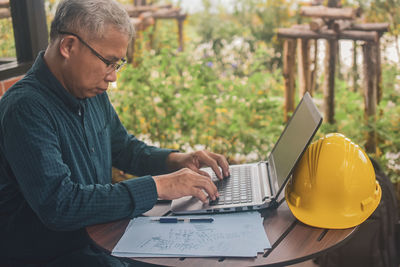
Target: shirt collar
point(46, 77)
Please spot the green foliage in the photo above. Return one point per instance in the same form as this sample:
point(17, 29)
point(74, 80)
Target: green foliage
point(7, 44)
point(254, 21)
point(388, 123)
point(264, 17)
point(349, 113)
point(181, 102)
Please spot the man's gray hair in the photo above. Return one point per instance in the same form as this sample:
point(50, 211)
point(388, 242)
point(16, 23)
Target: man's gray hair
point(90, 17)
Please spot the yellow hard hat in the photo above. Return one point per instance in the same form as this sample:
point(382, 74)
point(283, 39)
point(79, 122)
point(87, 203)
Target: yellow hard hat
point(333, 185)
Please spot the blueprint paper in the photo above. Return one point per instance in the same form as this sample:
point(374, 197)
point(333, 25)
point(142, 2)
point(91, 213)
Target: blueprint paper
point(230, 235)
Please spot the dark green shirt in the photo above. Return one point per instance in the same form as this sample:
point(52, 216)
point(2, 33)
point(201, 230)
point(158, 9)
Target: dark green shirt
point(56, 155)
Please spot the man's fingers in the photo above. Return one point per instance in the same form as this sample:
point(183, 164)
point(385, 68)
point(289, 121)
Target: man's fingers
point(209, 161)
point(206, 184)
point(223, 163)
point(204, 173)
point(186, 182)
point(198, 193)
point(215, 161)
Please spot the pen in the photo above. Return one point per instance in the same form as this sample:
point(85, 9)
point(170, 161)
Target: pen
point(175, 220)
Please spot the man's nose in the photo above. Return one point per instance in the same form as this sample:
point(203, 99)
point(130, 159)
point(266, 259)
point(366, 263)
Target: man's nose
point(111, 77)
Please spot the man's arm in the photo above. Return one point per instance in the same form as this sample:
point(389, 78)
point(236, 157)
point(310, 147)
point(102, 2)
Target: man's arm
point(32, 148)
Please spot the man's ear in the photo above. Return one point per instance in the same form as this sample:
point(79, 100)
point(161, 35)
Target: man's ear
point(67, 46)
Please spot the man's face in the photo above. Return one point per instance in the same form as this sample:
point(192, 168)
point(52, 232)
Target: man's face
point(88, 75)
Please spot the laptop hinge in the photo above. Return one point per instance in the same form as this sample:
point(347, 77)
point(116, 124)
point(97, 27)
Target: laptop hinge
point(262, 182)
point(274, 204)
point(269, 183)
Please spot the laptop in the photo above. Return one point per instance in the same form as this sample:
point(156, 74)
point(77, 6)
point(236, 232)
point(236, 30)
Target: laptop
point(257, 185)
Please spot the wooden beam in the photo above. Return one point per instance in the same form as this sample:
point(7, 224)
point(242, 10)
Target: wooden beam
point(289, 63)
point(169, 14)
point(379, 27)
point(135, 11)
point(370, 94)
point(147, 20)
point(327, 34)
point(359, 35)
point(4, 4)
point(329, 86)
point(341, 25)
point(136, 23)
point(317, 24)
point(4, 13)
point(328, 12)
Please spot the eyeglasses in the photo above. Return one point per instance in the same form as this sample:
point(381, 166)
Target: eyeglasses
point(114, 65)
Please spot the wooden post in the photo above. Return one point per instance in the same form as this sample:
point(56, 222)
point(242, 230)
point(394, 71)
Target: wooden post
point(304, 66)
point(378, 72)
point(339, 73)
point(152, 34)
point(130, 53)
point(289, 61)
point(355, 75)
point(370, 94)
point(329, 86)
point(180, 32)
point(314, 70)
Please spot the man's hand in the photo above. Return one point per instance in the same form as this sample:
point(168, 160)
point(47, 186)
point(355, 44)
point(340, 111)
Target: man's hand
point(197, 160)
point(188, 179)
point(185, 182)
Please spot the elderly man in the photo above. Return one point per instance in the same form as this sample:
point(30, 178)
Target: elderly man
point(60, 137)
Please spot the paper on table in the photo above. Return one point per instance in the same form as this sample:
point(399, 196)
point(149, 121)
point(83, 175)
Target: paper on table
point(230, 235)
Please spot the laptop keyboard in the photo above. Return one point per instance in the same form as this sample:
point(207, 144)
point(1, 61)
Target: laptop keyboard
point(236, 188)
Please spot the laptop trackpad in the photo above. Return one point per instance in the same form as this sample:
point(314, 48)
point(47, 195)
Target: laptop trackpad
point(188, 204)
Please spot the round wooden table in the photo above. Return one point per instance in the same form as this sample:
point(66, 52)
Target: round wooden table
point(291, 240)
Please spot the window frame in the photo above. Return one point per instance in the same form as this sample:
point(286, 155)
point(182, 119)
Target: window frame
point(30, 35)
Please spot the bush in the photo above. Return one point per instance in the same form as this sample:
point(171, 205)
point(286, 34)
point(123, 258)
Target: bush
point(179, 102)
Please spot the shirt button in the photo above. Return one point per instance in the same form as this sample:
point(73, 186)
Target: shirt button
point(92, 149)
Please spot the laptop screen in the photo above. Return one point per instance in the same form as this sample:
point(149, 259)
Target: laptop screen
point(295, 138)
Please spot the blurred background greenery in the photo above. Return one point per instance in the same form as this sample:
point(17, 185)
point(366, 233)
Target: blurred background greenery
point(225, 91)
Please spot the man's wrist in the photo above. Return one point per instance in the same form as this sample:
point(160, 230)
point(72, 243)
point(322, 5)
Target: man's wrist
point(173, 162)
